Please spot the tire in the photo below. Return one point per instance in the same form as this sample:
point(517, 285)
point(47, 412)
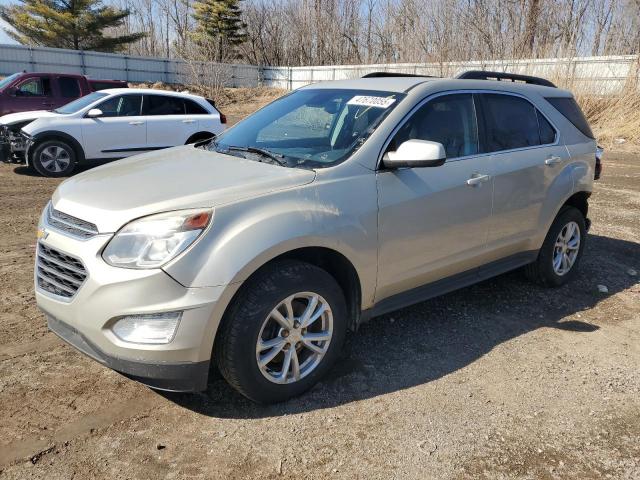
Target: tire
point(250, 318)
point(53, 158)
point(543, 271)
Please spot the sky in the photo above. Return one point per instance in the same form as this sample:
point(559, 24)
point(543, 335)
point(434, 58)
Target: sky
point(4, 38)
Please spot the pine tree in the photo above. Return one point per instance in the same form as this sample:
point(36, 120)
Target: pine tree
point(219, 27)
point(74, 24)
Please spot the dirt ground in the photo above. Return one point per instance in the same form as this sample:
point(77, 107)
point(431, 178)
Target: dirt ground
point(501, 380)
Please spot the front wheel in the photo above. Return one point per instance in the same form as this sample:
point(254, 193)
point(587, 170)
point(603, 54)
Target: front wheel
point(53, 158)
point(283, 332)
point(561, 251)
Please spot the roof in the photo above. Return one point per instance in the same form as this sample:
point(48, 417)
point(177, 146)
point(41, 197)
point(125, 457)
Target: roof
point(147, 91)
point(403, 84)
point(387, 84)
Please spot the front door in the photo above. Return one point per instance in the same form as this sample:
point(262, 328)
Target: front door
point(34, 93)
point(433, 222)
point(119, 132)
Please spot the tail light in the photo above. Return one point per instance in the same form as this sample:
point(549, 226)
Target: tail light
point(223, 118)
point(598, 170)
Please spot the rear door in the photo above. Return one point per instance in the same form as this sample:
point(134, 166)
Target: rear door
point(34, 93)
point(206, 121)
point(68, 89)
point(120, 131)
point(168, 124)
point(433, 222)
point(526, 157)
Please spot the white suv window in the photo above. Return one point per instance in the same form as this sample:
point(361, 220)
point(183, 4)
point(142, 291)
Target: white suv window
point(163, 105)
point(122, 106)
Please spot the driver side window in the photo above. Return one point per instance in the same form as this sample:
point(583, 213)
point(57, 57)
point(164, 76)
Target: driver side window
point(449, 120)
point(35, 87)
point(122, 106)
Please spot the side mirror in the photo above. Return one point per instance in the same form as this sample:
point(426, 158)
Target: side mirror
point(94, 112)
point(12, 92)
point(416, 153)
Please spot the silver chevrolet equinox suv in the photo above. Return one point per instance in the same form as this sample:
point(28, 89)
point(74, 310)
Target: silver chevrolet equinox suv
point(257, 251)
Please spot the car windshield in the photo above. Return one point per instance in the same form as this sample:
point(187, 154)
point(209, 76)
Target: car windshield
point(309, 127)
point(80, 103)
point(7, 80)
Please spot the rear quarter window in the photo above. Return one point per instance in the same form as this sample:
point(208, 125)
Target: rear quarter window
point(192, 108)
point(569, 108)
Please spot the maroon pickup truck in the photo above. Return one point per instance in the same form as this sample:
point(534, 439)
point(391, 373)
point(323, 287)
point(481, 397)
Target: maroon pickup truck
point(22, 92)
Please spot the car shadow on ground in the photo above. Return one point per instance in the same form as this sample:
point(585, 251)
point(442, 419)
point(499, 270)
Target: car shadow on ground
point(432, 339)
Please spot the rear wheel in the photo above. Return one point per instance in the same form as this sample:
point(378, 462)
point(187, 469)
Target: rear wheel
point(53, 158)
point(561, 251)
point(283, 332)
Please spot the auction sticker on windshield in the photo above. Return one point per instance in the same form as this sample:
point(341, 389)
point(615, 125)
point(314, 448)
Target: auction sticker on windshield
point(368, 101)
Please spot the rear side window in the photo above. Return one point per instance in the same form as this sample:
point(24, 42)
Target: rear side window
point(511, 122)
point(69, 87)
point(192, 108)
point(163, 105)
point(547, 132)
point(449, 120)
point(570, 109)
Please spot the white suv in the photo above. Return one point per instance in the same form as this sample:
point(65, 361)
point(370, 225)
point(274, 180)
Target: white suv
point(117, 123)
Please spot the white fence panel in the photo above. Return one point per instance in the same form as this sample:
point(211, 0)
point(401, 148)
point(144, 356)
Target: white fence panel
point(597, 74)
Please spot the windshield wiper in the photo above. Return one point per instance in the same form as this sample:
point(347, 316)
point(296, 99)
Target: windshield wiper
point(261, 151)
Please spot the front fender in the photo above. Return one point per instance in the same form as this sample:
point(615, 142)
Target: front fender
point(244, 236)
point(51, 134)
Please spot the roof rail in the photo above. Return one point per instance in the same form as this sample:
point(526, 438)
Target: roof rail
point(504, 77)
point(392, 74)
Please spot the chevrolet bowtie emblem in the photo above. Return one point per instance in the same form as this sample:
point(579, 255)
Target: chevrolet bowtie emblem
point(42, 234)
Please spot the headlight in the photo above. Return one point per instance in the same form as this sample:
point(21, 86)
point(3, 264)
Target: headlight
point(152, 241)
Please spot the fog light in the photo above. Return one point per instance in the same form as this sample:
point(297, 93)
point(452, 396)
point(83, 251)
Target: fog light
point(152, 328)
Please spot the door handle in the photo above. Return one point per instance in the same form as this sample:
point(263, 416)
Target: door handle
point(478, 179)
point(136, 123)
point(552, 160)
point(188, 121)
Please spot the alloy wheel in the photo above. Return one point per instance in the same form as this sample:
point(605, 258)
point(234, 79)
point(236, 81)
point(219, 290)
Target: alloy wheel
point(55, 159)
point(294, 338)
point(566, 248)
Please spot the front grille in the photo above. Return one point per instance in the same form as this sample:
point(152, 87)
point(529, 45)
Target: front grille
point(71, 225)
point(58, 273)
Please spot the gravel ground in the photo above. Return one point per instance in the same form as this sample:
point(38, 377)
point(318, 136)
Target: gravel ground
point(499, 380)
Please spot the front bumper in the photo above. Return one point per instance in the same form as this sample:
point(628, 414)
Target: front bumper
point(107, 293)
point(175, 377)
point(12, 142)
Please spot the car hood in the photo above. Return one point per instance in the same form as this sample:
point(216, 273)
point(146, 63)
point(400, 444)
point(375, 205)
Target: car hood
point(171, 179)
point(26, 116)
